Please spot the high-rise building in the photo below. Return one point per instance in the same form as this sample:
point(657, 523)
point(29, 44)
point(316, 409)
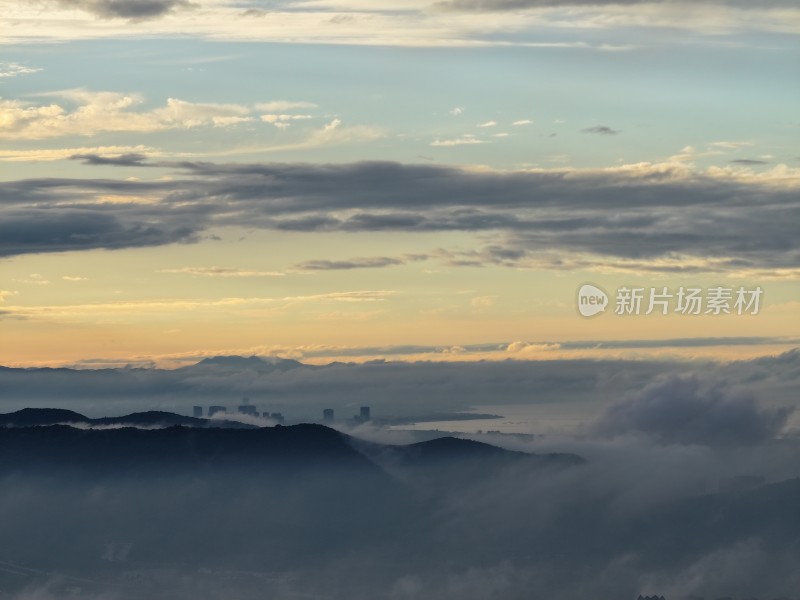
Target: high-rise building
point(327, 415)
point(213, 410)
point(277, 417)
point(364, 415)
point(197, 411)
point(245, 408)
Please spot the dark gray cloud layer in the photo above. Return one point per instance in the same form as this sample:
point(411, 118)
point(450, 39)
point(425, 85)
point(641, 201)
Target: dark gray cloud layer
point(132, 159)
point(651, 213)
point(81, 229)
point(392, 388)
point(355, 263)
point(135, 10)
point(749, 162)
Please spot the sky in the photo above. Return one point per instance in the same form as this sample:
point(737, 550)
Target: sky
point(350, 180)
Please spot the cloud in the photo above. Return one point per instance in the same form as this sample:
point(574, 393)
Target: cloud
point(131, 159)
point(522, 122)
point(730, 145)
point(11, 69)
point(91, 155)
point(518, 5)
point(412, 385)
point(73, 278)
point(749, 162)
point(282, 118)
point(283, 106)
point(222, 272)
point(81, 312)
point(487, 124)
point(462, 141)
point(600, 130)
point(333, 133)
point(456, 111)
point(695, 342)
point(353, 263)
point(531, 348)
point(685, 410)
point(659, 217)
point(86, 228)
point(380, 23)
point(95, 112)
point(134, 10)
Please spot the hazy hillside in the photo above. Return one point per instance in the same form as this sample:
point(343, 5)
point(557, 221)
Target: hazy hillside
point(306, 511)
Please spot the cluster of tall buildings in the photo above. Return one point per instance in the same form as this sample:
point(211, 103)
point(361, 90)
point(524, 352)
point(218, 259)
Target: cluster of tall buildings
point(245, 408)
point(363, 415)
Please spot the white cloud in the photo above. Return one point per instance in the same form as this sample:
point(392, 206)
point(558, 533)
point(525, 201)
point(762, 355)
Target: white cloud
point(456, 111)
point(730, 145)
point(687, 153)
point(74, 278)
point(462, 141)
point(336, 132)
point(331, 134)
point(95, 112)
point(14, 69)
point(522, 122)
point(528, 348)
point(487, 124)
point(180, 113)
point(282, 120)
point(283, 106)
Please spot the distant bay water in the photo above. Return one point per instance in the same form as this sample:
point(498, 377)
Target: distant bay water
point(536, 419)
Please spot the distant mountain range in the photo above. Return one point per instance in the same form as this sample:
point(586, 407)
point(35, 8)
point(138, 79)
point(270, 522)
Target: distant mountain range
point(258, 363)
point(57, 437)
point(33, 417)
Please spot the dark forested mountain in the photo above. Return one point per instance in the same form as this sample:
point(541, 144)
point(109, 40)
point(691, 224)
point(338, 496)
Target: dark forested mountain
point(31, 417)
